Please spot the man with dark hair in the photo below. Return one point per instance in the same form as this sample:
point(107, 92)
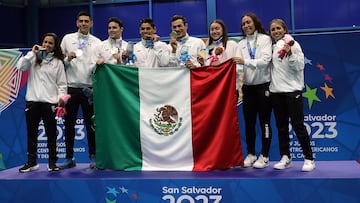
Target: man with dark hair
point(184, 48)
point(113, 49)
point(150, 52)
point(79, 48)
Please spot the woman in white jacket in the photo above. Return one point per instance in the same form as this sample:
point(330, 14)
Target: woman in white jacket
point(219, 47)
point(46, 86)
point(254, 58)
point(287, 83)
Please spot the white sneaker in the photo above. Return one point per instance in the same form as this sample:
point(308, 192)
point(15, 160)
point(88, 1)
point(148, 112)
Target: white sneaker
point(261, 162)
point(284, 163)
point(309, 165)
point(249, 160)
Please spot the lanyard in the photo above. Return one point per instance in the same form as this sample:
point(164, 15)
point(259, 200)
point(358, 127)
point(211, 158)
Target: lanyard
point(148, 43)
point(218, 42)
point(253, 50)
point(182, 40)
point(83, 42)
point(117, 45)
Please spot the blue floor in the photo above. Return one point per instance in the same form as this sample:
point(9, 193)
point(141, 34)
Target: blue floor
point(331, 181)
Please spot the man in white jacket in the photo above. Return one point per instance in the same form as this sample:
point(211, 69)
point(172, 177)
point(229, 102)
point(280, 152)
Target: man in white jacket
point(79, 49)
point(113, 49)
point(184, 48)
point(150, 52)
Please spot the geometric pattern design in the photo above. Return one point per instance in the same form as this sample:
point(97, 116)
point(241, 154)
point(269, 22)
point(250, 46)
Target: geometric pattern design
point(10, 77)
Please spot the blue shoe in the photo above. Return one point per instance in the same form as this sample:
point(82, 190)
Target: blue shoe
point(68, 163)
point(92, 161)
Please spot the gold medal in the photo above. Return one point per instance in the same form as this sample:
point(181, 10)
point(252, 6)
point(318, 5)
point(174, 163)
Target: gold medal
point(173, 34)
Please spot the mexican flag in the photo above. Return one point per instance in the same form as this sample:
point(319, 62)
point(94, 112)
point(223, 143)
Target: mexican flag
point(168, 118)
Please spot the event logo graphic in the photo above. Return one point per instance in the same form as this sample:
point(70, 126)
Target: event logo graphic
point(311, 93)
point(166, 120)
point(10, 78)
point(321, 126)
point(112, 195)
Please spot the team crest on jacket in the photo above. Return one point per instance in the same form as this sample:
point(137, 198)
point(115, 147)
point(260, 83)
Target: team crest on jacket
point(166, 120)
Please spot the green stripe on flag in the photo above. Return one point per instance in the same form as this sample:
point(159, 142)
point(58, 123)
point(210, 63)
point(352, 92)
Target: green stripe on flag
point(122, 129)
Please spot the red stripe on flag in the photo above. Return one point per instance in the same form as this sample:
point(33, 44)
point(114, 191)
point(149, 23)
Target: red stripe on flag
point(215, 126)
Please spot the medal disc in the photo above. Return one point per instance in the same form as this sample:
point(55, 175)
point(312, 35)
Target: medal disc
point(78, 53)
point(114, 50)
point(280, 43)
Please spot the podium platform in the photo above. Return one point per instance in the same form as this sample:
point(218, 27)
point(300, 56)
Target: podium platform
point(331, 181)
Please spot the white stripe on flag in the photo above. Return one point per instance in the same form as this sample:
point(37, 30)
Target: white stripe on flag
point(165, 152)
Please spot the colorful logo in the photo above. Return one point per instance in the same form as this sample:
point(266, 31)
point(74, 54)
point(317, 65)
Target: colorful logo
point(311, 93)
point(10, 78)
point(122, 194)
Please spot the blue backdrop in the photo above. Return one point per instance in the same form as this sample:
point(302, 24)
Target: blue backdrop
point(331, 104)
point(301, 16)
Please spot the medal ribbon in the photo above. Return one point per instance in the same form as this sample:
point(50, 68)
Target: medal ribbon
point(148, 43)
point(182, 40)
point(253, 50)
point(83, 42)
point(218, 42)
point(113, 41)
